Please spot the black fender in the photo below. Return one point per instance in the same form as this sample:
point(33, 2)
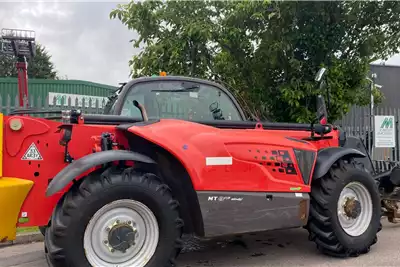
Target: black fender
point(328, 156)
point(73, 170)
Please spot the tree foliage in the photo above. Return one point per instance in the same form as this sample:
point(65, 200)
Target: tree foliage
point(39, 67)
point(267, 52)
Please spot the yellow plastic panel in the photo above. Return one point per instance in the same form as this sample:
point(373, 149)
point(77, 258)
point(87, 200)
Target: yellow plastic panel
point(13, 192)
point(1, 144)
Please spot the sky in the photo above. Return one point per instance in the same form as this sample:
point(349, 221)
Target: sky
point(84, 42)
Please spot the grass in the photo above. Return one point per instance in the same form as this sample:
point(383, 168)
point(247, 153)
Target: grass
point(23, 230)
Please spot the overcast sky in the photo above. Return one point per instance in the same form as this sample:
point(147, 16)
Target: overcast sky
point(84, 43)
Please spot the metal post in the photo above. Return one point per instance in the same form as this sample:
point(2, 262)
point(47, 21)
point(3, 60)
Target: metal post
point(22, 68)
point(371, 132)
point(371, 111)
point(371, 123)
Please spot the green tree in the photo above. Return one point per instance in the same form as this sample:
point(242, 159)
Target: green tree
point(39, 67)
point(267, 52)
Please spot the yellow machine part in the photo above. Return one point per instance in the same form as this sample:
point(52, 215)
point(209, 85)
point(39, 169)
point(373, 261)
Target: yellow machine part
point(1, 144)
point(13, 192)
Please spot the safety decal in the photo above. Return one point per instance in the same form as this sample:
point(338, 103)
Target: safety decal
point(295, 188)
point(32, 153)
point(194, 94)
point(218, 161)
point(298, 194)
point(24, 218)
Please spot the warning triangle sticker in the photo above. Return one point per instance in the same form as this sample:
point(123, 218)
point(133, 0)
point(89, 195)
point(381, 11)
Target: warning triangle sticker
point(32, 153)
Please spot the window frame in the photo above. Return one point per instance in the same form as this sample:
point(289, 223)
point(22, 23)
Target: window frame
point(132, 84)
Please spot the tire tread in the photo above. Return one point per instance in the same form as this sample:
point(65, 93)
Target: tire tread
point(319, 225)
point(57, 231)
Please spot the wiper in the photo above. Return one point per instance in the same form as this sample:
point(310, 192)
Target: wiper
point(112, 98)
point(188, 89)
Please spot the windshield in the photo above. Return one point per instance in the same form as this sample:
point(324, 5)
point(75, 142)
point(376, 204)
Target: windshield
point(181, 100)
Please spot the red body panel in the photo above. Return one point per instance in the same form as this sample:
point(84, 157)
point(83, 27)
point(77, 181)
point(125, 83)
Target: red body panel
point(250, 150)
point(254, 153)
point(43, 134)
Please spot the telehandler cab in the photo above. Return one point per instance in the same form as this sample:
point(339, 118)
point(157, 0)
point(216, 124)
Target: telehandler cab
point(176, 155)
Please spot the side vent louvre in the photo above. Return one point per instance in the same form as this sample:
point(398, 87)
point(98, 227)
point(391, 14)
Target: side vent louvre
point(305, 159)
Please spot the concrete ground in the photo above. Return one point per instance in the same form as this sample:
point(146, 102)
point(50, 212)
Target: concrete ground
point(278, 248)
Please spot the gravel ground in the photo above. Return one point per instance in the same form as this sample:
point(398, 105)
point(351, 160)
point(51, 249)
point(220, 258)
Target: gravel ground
point(277, 248)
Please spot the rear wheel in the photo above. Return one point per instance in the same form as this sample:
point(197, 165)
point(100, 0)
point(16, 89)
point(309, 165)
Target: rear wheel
point(345, 211)
point(119, 218)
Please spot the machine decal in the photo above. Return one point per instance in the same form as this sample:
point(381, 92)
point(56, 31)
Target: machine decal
point(194, 94)
point(276, 160)
point(218, 161)
point(295, 188)
point(32, 153)
point(223, 198)
point(282, 160)
point(24, 217)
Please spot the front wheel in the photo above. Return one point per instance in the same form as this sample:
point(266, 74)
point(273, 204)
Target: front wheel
point(345, 211)
point(119, 218)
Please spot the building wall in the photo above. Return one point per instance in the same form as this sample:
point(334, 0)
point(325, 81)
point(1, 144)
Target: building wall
point(389, 78)
point(358, 121)
point(39, 89)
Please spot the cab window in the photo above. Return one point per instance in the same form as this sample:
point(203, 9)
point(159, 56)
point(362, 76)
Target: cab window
point(180, 99)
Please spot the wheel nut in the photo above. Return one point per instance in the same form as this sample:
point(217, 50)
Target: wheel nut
point(129, 222)
point(112, 250)
point(108, 229)
point(117, 221)
point(105, 242)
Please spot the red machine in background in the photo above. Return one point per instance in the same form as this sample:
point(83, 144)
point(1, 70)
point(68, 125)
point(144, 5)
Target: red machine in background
point(21, 44)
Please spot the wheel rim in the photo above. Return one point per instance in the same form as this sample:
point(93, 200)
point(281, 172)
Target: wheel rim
point(123, 220)
point(355, 209)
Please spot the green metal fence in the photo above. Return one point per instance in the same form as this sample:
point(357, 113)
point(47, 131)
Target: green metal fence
point(91, 105)
point(49, 89)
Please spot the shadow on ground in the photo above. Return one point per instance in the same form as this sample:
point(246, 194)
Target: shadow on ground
point(241, 250)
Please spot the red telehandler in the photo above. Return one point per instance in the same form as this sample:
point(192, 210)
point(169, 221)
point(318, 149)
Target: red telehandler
point(173, 156)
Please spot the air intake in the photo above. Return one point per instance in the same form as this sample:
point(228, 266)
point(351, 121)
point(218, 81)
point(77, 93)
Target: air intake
point(305, 159)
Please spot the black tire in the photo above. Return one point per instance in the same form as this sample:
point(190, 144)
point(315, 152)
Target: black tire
point(323, 225)
point(64, 237)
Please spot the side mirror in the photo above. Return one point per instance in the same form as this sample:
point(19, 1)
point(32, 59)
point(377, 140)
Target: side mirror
point(320, 74)
point(322, 114)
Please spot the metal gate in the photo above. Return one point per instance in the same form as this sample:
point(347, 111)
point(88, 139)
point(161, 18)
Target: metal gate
point(358, 123)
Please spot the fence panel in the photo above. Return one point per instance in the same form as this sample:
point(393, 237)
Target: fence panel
point(358, 122)
point(38, 103)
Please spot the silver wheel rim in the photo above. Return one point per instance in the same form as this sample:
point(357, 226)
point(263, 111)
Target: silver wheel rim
point(355, 226)
point(125, 212)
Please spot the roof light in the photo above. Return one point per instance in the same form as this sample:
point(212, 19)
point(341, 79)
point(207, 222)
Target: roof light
point(163, 73)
